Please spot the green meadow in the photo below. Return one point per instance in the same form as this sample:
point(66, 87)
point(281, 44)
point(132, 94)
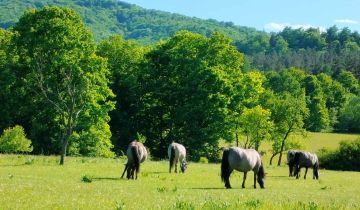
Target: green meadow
point(38, 182)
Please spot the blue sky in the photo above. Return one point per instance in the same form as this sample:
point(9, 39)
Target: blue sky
point(268, 15)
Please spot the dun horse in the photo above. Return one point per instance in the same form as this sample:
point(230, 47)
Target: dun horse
point(136, 154)
point(243, 160)
point(306, 159)
point(290, 161)
point(177, 153)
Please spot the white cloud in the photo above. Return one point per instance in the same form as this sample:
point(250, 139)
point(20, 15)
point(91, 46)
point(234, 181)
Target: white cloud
point(346, 21)
point(280, 26)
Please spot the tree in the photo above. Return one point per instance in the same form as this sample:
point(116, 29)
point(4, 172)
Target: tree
point(348, 81)
point(6, 80)
point(335, 97)
point(349, 119)
point(288, 113)
point(187, 88)
point(14, 140)
point(62, 70)
point(247, 94)
point(124, 61)
point(319, 117)
point(256, 125)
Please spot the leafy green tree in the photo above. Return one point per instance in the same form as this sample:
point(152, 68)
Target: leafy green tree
point(287, 81)
point(318, 119)
point(186, 92)
point(6, 80)
point(288, 113)
point(62, 70)
point(256, 125)
point(335, 96)
point(124, 61)
point(349, 82)
point(14, 140)
point(247, 94)
point(349, 119)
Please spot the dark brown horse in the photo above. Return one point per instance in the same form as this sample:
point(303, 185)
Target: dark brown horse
point(306, 160)
point(136, 154)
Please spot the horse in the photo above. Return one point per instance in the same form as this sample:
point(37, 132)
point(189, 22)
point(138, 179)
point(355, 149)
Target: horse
point(306, 159)
point(290, 161)
point(136, 154)
point(242, 160)
point(177, 153)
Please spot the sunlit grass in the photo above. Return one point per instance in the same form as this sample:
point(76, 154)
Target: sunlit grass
point(38, 182)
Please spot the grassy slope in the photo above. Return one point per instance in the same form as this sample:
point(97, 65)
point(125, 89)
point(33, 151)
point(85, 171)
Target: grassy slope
point(42, 184)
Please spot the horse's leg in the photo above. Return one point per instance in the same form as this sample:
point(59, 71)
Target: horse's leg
point(306, 169)
point(254, 180)
point(227, 181)
point(176, 162)
point(244, 178)
point(298, 172)
point(170, 165)
point(126, 166)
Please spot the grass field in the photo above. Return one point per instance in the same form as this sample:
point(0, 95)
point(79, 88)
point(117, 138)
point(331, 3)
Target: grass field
point(38, 182)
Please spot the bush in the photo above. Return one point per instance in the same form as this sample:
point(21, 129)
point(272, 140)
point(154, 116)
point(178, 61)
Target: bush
point(346, 157)
point(14, 140)
point(203, 160)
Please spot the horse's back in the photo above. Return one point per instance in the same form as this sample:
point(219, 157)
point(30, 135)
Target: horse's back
point(180, 151)
point(307, 159)
point(244, 159)
point(140, 149)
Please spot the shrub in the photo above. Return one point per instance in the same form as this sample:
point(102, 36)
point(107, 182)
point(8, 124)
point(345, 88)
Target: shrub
point(87, 179)
point(346, 157)
point(203, 160)
point(14, 140)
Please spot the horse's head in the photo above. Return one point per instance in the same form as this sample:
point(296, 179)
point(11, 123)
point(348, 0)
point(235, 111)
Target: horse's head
point(183, 166)
point(261, 177)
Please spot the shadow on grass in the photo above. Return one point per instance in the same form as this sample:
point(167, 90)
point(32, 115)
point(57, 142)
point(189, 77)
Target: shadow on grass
point(207, 188)
point(276, 176)
point(11, 165)
point(107, 178)
point(157, 172)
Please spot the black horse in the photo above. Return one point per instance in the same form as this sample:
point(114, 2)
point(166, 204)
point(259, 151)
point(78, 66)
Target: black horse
point(306, 159)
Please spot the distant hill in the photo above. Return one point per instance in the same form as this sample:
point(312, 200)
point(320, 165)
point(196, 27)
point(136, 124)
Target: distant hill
point(107, 17)
point(308, 49)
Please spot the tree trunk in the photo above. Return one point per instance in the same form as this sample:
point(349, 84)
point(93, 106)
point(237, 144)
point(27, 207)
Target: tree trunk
point(237, 139)
point(65, 140)
point(283, 144)
point(272, 156)
point(63, 150)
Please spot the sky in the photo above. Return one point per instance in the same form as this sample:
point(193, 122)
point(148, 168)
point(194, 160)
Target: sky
point(267, 15)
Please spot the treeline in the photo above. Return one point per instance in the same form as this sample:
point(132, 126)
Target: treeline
point(311, 50)
point(110, 17)
point(73, 96)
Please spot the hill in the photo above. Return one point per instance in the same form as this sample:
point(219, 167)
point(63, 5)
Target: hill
point(107, 17)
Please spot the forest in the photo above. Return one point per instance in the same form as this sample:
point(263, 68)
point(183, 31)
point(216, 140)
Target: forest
point(73, 94)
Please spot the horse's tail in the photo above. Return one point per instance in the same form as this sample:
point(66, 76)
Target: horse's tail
point(316, 168)
point(261, 171)
point(136, 158)
point(225, 166)
point(172, 156)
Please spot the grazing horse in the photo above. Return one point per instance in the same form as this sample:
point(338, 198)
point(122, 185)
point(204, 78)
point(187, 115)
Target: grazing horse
point(290, 161)
point(306, 159)
point(136, 154)
point(242, 160)
point(177, 153)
